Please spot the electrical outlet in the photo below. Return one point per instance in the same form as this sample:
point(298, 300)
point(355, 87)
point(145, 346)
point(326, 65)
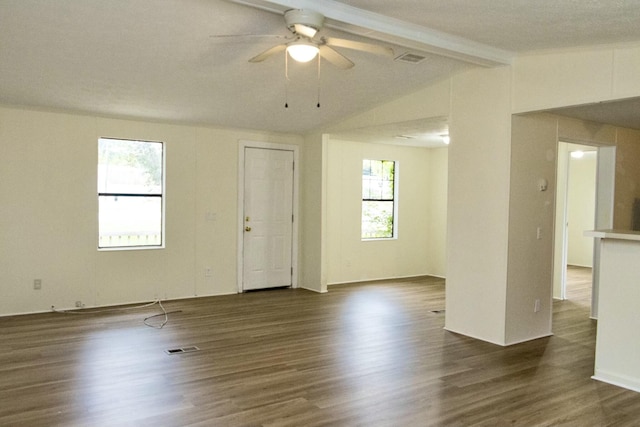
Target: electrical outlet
point(37, 284)
point(207, 272)
point(79, 304)
point(539, 233)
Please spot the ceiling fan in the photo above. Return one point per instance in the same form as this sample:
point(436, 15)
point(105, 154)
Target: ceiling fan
point(305, 43)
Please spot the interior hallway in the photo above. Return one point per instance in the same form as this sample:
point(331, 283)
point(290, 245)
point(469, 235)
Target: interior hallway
point(579, 284)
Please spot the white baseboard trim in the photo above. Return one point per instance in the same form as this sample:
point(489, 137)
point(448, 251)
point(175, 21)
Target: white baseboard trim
point(312, 290)
point(381, 279)
point(623, 381)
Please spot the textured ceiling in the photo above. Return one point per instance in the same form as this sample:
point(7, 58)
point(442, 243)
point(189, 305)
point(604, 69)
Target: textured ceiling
point(156, 59)
point(624, 113)
point(520, 25)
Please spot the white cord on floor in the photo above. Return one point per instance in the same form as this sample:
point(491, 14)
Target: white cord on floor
point(166, 317)
point(111, 310)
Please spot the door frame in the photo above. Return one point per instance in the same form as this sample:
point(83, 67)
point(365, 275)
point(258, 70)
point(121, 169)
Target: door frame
point(605, 190)
point(562, 212)
point(242, 145)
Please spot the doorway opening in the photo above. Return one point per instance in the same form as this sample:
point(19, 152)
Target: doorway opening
point(584, 201)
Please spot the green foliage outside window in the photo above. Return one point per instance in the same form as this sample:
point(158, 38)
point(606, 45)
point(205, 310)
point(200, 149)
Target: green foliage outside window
point(378, 198)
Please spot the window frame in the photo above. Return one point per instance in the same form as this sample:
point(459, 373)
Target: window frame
point(161, 195)
point(394, 200)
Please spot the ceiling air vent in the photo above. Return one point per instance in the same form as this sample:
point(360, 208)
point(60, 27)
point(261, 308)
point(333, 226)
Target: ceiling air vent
point(411, 58)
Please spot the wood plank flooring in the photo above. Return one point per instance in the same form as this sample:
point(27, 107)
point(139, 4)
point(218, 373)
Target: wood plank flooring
point(369, 354)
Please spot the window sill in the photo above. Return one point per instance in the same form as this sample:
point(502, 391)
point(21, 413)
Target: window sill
point(130, 248)
point(378, 239)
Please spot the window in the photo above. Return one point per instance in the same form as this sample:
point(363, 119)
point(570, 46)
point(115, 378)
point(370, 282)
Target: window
point(378, 199)
point(130, 193)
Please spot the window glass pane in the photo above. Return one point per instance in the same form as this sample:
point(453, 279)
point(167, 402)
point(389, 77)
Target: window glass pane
point(366, 168)
point(377, 219)
point(376, 168)
point(366, 179)
point(366, 187)
point(130, 186)
point(130, 221)
point(388, 170)
point(378, 194)
point(133, 167)
point(375, 189)
point(386, 190)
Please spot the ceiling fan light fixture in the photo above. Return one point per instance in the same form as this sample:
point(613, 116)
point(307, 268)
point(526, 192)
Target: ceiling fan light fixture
point(302, 51)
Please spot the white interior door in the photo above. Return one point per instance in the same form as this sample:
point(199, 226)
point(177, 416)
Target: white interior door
point(268, 218)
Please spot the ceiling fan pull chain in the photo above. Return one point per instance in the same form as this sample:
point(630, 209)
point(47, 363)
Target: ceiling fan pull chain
point(286, 83)
point(318, 105)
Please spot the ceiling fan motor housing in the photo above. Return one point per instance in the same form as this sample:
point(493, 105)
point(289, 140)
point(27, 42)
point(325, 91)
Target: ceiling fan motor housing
point(304, 17)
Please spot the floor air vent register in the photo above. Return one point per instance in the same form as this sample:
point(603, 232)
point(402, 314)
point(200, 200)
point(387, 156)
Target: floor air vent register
point(182, 350)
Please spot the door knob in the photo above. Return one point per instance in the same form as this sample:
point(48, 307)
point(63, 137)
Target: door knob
point(247, 228)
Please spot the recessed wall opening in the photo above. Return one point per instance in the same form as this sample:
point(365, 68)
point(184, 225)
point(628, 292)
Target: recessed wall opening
point(584, 201)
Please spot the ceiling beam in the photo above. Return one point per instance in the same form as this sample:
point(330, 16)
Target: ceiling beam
point(390, 30)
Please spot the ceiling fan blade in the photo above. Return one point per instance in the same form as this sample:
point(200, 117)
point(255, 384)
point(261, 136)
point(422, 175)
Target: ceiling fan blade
point(365, 47)
point(267, 53)
point(335, 58)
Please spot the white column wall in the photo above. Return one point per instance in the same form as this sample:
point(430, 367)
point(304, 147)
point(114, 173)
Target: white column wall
point(478, 206)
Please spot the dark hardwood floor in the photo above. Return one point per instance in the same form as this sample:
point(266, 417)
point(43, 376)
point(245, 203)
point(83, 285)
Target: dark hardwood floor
point(372, 354)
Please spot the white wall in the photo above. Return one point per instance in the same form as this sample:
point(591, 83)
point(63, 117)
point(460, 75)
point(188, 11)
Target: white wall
point(528, 259)
point(557, 79)
point(488, 281)
point(48, 220)
point(478, 203)
point(438, 190)
point(617, 344)
point(420, 246)
point(432, 101)
point(530, 262)
point(581, 208)
point(314, 213)
point(488, 297)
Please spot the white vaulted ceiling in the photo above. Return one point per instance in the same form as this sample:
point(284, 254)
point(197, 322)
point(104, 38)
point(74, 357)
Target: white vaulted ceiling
point(156, 59)
point(520, 25)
